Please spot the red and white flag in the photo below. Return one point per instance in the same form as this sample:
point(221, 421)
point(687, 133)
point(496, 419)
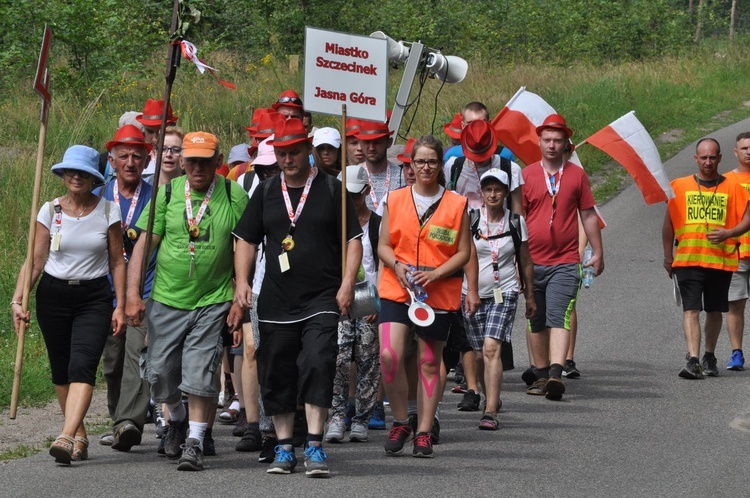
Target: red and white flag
point(628, 142)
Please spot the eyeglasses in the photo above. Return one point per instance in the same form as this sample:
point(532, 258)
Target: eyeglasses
point(421, 163)
point(286, 100)
point(176, 150)
point(73, 172)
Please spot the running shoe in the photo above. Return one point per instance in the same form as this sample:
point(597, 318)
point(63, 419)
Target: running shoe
point(470, 401)
point(570, 371)
point(377, 420)
point(315, 462)
point(192, 456)
point(397, 437)
point(737, 362)
point(359, 433)
point(267, 449)
point(335, 432)
point(692, 370)
point(710, 368)
point(284, 463)
point(423, 445)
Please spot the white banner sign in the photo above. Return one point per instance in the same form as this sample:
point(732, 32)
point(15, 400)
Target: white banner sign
point(345, 69)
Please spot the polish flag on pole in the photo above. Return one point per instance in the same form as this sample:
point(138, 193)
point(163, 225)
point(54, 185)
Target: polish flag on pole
point(515, 125)
point(628, 142)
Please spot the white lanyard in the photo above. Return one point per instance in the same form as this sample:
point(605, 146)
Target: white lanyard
point(193, 223)
point(131, 234)
point(58, 215)
point(373, 197)
point(494, 243)
point(288, 243)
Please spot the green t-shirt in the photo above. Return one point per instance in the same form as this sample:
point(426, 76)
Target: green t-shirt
point(211, 282)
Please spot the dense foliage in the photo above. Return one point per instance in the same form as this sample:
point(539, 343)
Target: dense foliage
point(99, 40)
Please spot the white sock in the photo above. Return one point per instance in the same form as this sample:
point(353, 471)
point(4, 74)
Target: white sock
point(235, 405)
point(411, 407)
point(177, 412)
point(197, 431)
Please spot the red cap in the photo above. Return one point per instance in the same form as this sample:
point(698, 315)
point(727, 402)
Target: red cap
point(453, 129)
point(289, 132)
point(152, 112)
point(257, 113)
point(128, 135)
point(556, 122)
point(267, 124)
point(372, 130)
point(478, 141)
point(405, 157)
point(288, 98)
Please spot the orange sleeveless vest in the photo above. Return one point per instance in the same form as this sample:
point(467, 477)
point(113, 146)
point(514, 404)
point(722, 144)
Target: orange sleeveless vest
point(695, 213)
point(425, 247)
point(743, 179)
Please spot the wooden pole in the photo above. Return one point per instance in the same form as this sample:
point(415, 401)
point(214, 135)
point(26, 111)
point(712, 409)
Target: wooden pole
point(41, 86)
point(173, 60)
point(343, 191)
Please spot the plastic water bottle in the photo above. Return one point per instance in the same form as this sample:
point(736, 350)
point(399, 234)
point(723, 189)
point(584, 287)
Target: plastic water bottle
point(588, 271)
point(420, 293)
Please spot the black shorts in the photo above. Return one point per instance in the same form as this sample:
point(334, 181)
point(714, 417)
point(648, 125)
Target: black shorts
point(704, 289)
point(391, 311)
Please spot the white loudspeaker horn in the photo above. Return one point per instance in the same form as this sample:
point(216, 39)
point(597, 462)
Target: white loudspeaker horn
point(447, 68)
point(397, 51)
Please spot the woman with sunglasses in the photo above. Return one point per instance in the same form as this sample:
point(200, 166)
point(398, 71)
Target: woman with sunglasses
point(78, 242)
point(424, 241)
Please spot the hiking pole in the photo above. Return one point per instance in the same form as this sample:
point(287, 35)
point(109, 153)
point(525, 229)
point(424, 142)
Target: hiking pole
point(173, 60)
point(41, 86)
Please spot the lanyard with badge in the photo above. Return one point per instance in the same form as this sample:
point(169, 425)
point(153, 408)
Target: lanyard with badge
point(55, 244)
point(130, 232)
point(494, 243)
point(373, 197)
point(553, 189)
point(287, 244)
point(193, 229)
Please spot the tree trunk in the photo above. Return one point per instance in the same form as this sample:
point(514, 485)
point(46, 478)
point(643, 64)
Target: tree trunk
point(697, 36)
point(690, 8)
point(732, 20)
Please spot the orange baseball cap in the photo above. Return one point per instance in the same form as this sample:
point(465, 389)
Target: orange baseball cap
point(199, 144)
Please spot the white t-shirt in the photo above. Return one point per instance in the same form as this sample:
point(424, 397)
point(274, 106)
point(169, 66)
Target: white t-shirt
point(507, 279)
point(467, 184)
point(368, 261)
point(84, 253)
point(423, 203)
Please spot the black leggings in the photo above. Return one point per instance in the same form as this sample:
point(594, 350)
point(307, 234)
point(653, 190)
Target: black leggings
point(75, 322)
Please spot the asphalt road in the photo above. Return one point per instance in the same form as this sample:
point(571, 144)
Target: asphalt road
point(628, 427)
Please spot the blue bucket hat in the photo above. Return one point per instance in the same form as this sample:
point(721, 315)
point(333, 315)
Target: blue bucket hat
point(81, 158)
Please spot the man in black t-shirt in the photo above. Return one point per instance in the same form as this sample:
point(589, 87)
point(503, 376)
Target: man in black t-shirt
point(298, 214)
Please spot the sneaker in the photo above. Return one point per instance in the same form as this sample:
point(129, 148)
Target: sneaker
point(537, 387)
point(710, 369)
point(174, 439)
point(209, 445)
point(315, 461)
point(737, 362)
point(459, 388)
point(107, 439)
point(570, 371)
point(413, 421)
point(284, 462)
point(349, 415)
point(422, 445)
point(126, 436)
point(435, 431)
point(359, 433)
point(335, 432)
point(554, 389)
point(160, 451)
point(529, 376)
point(192, 456)
point(241, 427)
point(252, 440)
point(377, 420)
point(470, 402)
point(267, 447)
point(397, 437)
point(692, 370)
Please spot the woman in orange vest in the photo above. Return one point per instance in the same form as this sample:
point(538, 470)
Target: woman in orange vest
point(424, 237)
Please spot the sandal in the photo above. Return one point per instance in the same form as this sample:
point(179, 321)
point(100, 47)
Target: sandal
point(488, 423)
point(229, 416)
point(80, 453)
point(62, 449)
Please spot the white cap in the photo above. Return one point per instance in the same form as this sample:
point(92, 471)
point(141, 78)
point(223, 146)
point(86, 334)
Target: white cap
point(356, 179)
point(330, 136)
point(238, 154)
point(129, 118)
point(266, 156)
point(497, 174)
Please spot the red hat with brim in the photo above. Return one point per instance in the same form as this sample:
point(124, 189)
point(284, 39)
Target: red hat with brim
point(256, 119)
point(352, 127)
point(267, 124)
point(152, 112)
point(453, 129)
point(129, 135)
point(289, 132)
point(372, 130)
point(557, 122)
point(288, 98)
point(405, 157)
point(478, 141)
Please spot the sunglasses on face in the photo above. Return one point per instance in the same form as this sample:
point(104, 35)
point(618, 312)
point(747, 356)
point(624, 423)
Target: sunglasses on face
point(286, 100)
point(70, 173)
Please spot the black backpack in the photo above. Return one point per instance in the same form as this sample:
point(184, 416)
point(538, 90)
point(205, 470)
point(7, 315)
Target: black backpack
point(458, 166)
point(514, 232)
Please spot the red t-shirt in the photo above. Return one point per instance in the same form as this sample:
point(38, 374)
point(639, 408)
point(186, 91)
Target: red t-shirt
point(556, 244)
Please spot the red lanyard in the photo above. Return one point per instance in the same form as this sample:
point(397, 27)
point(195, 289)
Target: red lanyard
point(294, 215)
point(193, 223)
point(553, 188)
point(494, 243)
point(373, 197)
point(58, 215)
